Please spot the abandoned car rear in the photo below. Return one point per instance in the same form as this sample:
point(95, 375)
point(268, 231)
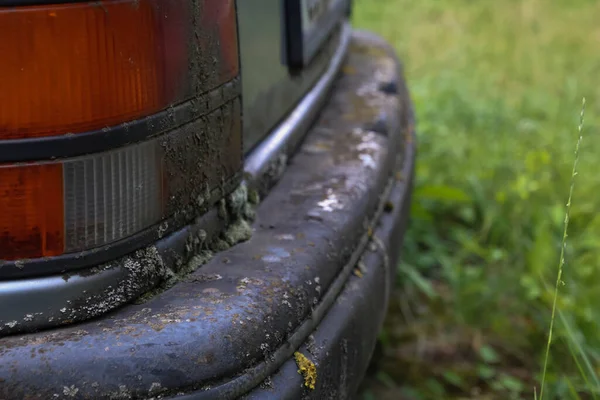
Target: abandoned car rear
point(199, 199)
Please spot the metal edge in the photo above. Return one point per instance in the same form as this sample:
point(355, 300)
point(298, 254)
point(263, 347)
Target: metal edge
point(266, 163)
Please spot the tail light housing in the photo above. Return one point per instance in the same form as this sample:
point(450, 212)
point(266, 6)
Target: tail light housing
point(164, 69)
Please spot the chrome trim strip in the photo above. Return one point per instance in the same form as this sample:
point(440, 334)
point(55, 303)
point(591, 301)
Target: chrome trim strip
point(266, 163)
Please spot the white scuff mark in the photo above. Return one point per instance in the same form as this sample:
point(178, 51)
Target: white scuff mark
point(368, 137)
point(367, 161)
point(358, 131)
point(155, 387)
point(331, 203)
point(280, 252)
point(367, 89)
point(368, 146)
point(271, 258)
point(70, 391)
point(285, 236)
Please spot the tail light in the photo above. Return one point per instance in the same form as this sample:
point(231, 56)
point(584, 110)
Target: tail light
point(85, 67)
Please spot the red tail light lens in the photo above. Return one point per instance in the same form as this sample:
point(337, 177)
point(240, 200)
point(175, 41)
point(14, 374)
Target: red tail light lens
point(102, 61)
point(78, 67)
point(221, 14)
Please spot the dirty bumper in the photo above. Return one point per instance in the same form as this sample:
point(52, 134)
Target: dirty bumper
point(291, 313)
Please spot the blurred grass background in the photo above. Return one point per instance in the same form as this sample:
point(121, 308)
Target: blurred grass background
point(497, 87)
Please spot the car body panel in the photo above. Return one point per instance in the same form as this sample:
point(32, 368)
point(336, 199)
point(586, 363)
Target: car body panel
point(270, 89)
point(308, 24)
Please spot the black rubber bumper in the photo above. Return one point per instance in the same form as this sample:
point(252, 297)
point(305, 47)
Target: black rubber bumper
point(311, 284)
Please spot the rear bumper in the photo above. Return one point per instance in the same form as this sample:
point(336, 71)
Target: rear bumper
point(315, 276)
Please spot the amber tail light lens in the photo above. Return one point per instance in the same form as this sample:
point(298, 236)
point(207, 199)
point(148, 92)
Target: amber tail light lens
point(83, 67)
point(77, 67)
point(103, 61)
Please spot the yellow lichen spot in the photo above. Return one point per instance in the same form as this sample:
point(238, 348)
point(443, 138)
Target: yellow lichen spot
point(307, 369)
point(370, 231)
point(358, 272)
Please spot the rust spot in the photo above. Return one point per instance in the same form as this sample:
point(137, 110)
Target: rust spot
point(388, 206)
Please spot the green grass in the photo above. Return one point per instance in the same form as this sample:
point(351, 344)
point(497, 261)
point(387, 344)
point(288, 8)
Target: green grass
point(497, 87)
point(561, 264)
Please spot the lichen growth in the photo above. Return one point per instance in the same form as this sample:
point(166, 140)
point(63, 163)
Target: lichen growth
point(307, 369)
point(222, 209)
point(239, 231)
point(253, 197)
point(237, 199)
point(237, 213)
point(276, 169)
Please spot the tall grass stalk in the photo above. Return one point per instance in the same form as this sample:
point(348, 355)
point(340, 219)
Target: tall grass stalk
point(578, 352)
point(561, 262)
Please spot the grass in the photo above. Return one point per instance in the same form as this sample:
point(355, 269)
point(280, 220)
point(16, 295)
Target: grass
point(561, 262)
point(497, 88)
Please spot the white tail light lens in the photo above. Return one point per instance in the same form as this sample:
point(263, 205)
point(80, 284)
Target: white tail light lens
point(108, 197)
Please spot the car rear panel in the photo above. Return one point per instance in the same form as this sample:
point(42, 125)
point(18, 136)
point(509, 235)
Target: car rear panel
point(271, 86)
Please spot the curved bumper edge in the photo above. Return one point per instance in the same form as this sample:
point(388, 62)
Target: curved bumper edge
point(342, 344)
